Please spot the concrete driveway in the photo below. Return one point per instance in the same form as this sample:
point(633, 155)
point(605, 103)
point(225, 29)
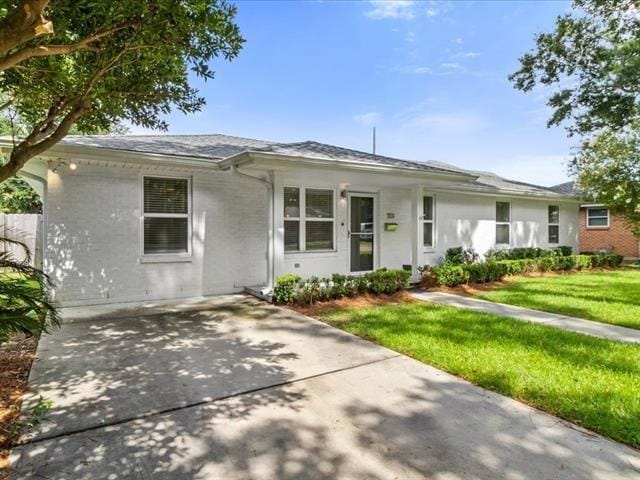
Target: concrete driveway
point(231, 388)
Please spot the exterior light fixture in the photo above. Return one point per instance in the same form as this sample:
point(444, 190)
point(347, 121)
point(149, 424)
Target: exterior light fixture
point(72, 166)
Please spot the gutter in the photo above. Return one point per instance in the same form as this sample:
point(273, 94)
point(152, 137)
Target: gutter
point(89, 152)
point(268, 184)
point(250, 156)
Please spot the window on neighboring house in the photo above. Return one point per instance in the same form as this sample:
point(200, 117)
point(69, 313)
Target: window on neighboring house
point(308, 219)
point(597, 217)
point(503, 223)
point(554, 224)
point(166, 215)
point(428, 221)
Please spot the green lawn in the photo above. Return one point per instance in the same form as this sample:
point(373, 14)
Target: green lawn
point(609, 296)
point(589, 381)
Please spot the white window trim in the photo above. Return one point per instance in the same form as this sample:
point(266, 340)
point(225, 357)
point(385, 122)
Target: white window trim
point(549, 225)
point(495, 212)
point(432, 247)
point(597, 227)
point(302, 220)
point(167, 257)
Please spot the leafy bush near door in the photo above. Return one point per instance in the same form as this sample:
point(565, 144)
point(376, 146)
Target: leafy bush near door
point(291, 289)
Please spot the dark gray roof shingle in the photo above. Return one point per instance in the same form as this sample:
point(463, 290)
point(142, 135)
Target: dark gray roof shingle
point(331, 152)
point(216, 147)
point(567, 188)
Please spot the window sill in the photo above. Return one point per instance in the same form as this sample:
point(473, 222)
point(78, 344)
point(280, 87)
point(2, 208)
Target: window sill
point(597, 228)
point(311, 253)
point(167, 258)
point(429, 250)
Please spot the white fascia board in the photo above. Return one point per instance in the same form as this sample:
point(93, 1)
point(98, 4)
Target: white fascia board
point(271, 160)
point(463, 185)
point(87, 152)
point(502, 192)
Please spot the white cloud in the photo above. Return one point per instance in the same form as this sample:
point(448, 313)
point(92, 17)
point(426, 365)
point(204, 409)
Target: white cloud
point(459, 40)
point(446, 123)
point(451, 68)
point(368, 119)
point(410, 37)
point(436, 8)
point(466, 55)
point(397, 9)
point(409, 69)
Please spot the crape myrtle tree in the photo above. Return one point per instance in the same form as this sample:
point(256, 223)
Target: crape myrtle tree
point(92, 63)
point(591, 65)
point(84, 66)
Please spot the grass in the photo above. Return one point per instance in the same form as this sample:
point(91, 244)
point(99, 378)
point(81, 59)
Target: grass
point(608, 296)
point(589, 381)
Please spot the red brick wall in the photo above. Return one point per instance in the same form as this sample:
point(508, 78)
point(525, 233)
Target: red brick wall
point(617, 235)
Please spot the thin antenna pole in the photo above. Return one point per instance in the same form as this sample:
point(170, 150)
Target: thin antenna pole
point(374, 140)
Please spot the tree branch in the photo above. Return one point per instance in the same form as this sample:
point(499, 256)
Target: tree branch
point(24, 23)
point(20, 56)
point(30, 147)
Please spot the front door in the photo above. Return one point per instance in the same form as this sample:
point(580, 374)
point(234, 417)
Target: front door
point(361, 232)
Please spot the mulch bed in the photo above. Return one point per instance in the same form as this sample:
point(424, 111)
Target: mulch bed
point(16, 356)
point(361, 301)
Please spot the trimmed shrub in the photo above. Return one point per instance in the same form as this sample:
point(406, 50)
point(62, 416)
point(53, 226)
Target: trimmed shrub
point(292, 289)
point(564, 250)
point(528, 253)
point(494, 271)
point(285, 288)
point(451, 275)
point(606, 260)
point(461, 256)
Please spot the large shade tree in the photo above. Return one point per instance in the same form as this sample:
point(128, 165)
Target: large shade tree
point(92, 63)
point(83, 66)
point(591, 65)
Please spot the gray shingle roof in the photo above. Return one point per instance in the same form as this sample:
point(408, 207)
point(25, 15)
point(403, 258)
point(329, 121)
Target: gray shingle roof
point(217, 147)
point(567, 188)
point(214, 147)
point(331, 152)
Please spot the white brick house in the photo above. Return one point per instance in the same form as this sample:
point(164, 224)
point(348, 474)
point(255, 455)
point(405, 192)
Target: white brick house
point(132, 218)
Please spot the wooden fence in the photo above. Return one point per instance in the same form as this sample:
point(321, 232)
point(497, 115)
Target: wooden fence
point(25, 228)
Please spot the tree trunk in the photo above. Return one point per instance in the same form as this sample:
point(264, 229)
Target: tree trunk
point(40, 141)
point(24, 23)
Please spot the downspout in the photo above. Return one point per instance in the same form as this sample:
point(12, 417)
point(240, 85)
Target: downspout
point(270, 208)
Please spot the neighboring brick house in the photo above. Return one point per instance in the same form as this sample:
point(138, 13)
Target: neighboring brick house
point(600, 230)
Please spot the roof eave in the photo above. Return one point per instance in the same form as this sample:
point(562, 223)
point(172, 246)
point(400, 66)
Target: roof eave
point(114, 154)
point(250, 156)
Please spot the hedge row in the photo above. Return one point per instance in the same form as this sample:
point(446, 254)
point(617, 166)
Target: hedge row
point(292, 289)
point(494, 271)
point(528, 252)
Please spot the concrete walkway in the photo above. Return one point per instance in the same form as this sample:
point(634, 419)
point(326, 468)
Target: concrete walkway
point(588, 327)
point(232, 388)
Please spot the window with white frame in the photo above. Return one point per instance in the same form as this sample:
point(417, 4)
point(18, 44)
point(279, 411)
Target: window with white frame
point(308, 219)
point(554, 224)
point(503, 223)
point(166, 215)
point(597, 217)
point(428, 221)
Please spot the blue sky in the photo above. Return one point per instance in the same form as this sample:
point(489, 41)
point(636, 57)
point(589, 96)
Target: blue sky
point(432, 76)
